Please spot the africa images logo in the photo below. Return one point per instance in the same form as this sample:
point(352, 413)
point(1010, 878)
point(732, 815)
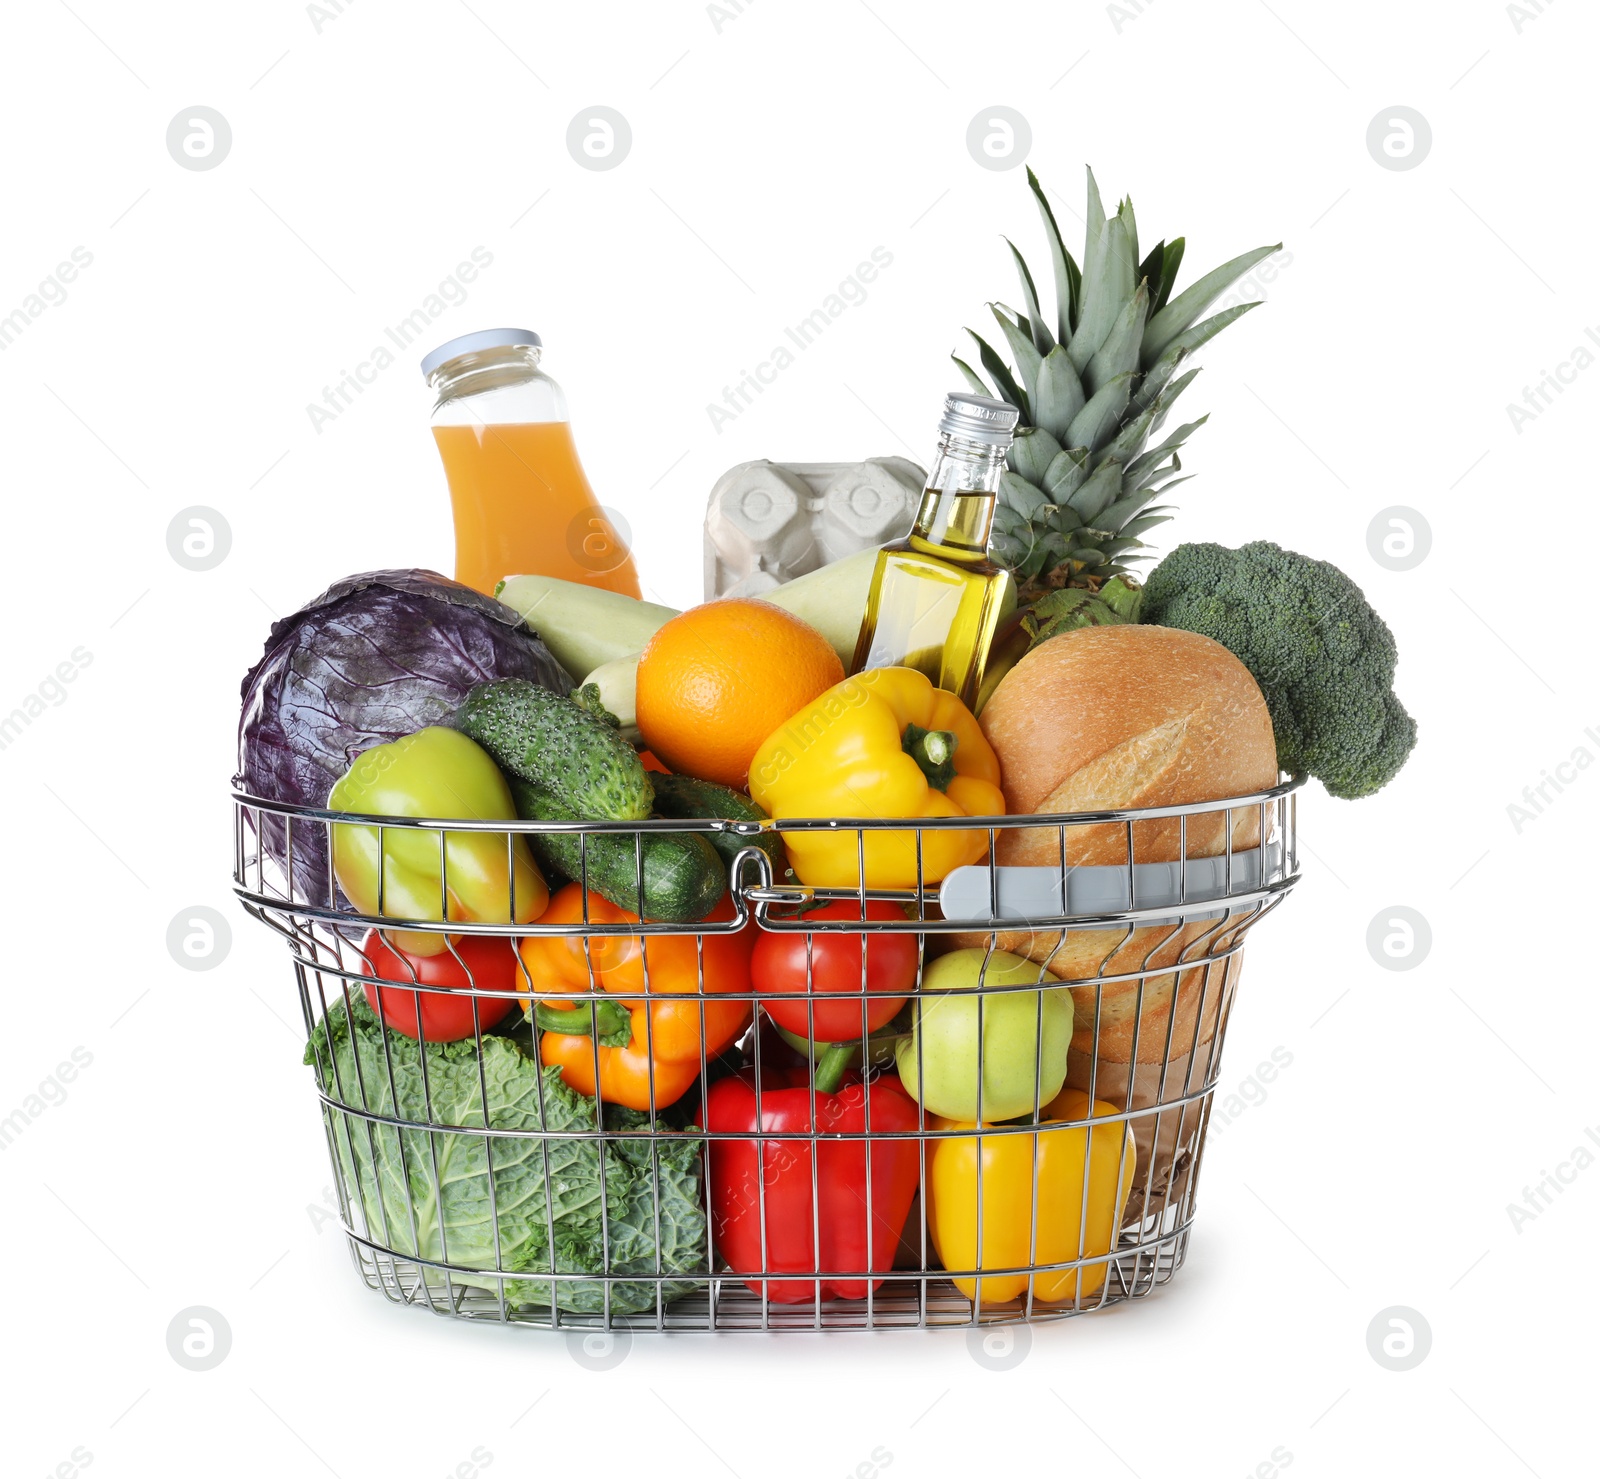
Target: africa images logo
point(851, 292)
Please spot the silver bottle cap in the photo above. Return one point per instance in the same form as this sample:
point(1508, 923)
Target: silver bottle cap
point(976, 418)
point(472, 343)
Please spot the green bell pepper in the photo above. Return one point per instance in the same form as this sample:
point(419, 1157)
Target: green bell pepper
point(435, 772)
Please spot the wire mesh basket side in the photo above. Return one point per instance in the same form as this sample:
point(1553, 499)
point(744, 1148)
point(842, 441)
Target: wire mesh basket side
point(475, 1182)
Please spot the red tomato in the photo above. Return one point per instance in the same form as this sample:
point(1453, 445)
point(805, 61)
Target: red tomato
point(446, 1015)
point(778, 969)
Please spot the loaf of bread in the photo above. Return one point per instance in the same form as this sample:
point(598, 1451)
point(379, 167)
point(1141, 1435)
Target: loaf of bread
point(1128, 716)
point(1120, 717)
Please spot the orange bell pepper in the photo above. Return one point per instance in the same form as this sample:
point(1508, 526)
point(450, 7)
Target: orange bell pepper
point(637, 1043)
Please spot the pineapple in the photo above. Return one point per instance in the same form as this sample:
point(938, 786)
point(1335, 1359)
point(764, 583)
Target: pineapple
point(1092, 387)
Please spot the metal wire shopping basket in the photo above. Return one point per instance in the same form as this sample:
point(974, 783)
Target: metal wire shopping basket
point(478, 1183)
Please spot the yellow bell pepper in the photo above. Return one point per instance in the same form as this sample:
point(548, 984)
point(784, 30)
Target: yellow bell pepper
point(1009, 1201)
point(884, 743)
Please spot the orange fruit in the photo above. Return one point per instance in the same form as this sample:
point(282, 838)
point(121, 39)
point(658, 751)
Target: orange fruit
point(717, 680)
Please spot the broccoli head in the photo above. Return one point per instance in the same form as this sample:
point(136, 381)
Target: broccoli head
point(1324, 658)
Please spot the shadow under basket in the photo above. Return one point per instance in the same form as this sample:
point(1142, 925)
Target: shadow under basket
point(476, 1181)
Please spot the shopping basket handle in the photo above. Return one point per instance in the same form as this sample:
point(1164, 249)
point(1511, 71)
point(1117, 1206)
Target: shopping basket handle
point(979, 893)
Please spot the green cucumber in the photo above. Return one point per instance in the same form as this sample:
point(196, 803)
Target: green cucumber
point(565, 761)
point(683, 876)
point(692, 799)
point(569, 749)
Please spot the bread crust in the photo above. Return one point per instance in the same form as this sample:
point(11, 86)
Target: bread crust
point(1128, 716)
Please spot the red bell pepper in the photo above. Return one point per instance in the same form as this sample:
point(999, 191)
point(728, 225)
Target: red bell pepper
point(742, 1169)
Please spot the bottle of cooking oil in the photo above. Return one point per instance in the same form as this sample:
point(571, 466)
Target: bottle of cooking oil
point(935, 599)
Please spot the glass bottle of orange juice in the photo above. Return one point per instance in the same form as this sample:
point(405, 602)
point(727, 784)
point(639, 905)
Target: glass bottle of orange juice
point(521, 502)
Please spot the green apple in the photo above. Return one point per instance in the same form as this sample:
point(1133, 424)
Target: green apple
point(946, 1027)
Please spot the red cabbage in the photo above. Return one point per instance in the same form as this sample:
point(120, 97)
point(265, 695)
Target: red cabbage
point(374, 657)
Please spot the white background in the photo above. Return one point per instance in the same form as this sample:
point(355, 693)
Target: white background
point(772, 151)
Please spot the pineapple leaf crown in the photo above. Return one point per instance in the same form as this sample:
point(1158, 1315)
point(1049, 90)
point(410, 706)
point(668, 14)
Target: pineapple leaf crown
point(1091, 388)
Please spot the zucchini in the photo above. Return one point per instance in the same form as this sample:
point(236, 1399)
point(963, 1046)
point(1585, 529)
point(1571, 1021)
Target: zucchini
point(682, 875)
point(685, 796)
point(618, 684)
point(580, 624)
point(567, 748)
point(832, 598)
point(585, 627)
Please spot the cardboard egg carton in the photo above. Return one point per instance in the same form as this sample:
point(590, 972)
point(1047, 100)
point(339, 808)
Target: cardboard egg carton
point(767, 522)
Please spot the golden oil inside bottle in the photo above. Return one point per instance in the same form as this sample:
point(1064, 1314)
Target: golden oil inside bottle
point(936, 601)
